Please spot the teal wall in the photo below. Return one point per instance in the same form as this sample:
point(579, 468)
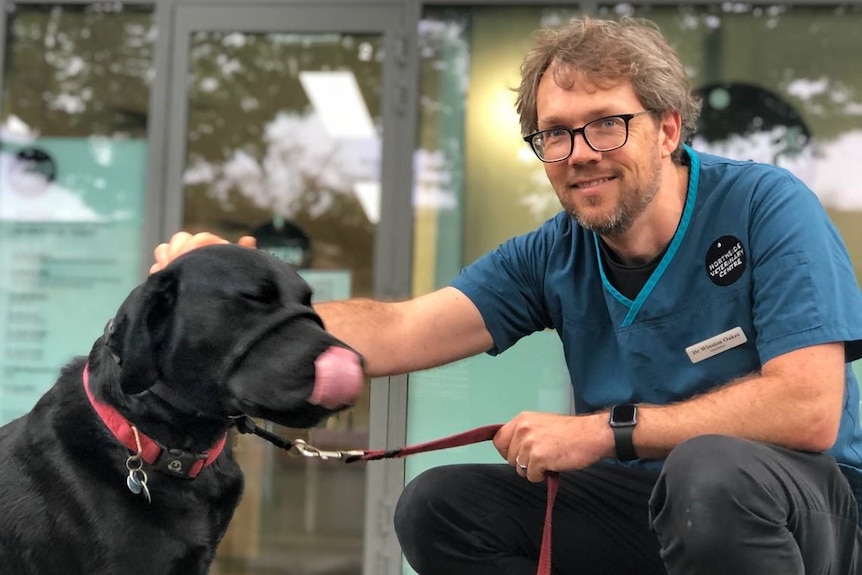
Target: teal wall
point(483, 390)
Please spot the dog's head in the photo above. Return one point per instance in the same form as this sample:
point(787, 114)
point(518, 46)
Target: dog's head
point(231, 330)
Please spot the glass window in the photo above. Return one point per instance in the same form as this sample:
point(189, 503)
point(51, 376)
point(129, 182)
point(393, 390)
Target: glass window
point(477, 184)
point(73, 155)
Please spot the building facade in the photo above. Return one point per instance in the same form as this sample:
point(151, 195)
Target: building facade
point(374, 145)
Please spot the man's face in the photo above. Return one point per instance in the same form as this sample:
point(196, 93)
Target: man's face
point(603, 191)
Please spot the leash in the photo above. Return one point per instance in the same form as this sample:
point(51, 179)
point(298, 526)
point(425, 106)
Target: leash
point(465, 438)
point(152, 452)
point(476, 435)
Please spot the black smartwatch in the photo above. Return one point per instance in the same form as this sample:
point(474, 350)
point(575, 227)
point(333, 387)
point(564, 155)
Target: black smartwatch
point(623, 419)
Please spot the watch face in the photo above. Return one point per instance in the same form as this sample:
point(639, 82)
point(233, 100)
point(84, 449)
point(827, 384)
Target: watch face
point(623, 414)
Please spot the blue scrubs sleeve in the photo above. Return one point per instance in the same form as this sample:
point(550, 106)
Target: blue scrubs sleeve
point(506, 285)
point(805, 290)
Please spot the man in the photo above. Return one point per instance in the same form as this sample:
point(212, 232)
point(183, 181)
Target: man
point(707, 309)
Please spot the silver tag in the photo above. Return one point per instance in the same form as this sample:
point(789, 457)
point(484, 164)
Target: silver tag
point(137, 483)
point(134, 484)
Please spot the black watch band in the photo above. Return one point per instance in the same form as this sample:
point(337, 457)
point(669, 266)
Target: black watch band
point(623, 419)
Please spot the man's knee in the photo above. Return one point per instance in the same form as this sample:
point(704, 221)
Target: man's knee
point(421, 509)
point(705, 487)
point(710, 461)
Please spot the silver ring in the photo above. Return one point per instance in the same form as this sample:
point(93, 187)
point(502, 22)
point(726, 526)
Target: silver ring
point(521, 465)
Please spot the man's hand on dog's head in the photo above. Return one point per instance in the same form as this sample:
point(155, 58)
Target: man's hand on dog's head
point(182, 242)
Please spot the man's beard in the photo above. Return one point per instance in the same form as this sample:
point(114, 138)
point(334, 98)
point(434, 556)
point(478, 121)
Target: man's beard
point(633, 201)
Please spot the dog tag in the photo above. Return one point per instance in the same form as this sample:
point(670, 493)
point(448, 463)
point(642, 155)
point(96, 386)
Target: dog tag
point(134, 484)
point(137, 483)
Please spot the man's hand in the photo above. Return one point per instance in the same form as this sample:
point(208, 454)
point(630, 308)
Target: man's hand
point(549, 442)
point(182, 242)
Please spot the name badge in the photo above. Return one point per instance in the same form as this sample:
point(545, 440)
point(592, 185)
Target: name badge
point(715, 345)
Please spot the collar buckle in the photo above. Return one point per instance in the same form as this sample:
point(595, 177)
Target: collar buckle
point(179, 463)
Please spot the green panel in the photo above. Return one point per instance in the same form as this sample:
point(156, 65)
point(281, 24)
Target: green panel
point(71, 213)
point(479, 391)
point(482, 390)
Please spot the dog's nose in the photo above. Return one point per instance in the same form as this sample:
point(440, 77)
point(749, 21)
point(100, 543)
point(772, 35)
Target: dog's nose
point(338, 378)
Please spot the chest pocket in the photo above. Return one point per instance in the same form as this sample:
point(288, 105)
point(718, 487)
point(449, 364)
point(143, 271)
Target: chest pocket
point(654, 350)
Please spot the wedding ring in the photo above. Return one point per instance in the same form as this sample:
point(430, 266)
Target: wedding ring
point(521, 465)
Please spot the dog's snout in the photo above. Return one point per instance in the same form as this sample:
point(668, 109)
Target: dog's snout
point(338, 378)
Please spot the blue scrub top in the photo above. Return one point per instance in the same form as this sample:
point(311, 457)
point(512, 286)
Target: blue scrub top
point(755, 270)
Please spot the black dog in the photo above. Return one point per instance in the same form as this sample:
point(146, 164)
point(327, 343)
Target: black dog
point(122, 467)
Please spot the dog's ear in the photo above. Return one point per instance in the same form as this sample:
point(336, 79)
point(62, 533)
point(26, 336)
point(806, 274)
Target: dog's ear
point(139, 327)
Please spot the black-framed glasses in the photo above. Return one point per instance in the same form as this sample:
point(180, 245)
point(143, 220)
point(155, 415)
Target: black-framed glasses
point(601, 135)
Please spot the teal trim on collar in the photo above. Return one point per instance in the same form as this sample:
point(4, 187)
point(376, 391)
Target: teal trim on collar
point(678, 236)
point(685, 220)
point(608, 286)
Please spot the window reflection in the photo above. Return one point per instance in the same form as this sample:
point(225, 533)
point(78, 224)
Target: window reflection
point(77, 70)
point(73, 155)
point(267, 144)
point(471, 163)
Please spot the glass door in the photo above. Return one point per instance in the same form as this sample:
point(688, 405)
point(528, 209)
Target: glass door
point(277, 119)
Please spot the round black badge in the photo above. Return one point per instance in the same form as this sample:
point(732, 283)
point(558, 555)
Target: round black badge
point(725, 260)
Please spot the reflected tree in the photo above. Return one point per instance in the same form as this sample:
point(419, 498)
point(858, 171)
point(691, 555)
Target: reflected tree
point(78, 70)
point(258, 150)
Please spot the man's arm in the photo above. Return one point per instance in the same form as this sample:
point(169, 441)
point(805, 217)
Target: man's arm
point(431, 330)
point(796, 402)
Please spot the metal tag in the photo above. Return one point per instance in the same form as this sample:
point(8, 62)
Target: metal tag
point(134, 484)
point(137, 483)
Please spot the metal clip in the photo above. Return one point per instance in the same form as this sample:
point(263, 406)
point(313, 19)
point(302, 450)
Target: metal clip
point(300, 447)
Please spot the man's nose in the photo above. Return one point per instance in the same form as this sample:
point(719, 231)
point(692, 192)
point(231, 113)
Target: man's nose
point(582, 152)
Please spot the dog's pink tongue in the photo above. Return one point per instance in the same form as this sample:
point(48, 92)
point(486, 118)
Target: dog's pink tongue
point(338, 379)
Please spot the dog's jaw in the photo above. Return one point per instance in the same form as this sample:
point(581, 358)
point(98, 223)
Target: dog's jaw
point(338, 378)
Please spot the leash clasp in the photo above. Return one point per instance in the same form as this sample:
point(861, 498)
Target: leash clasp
point(300, 447)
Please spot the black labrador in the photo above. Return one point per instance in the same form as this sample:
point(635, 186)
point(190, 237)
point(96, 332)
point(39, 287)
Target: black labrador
point(122, 466)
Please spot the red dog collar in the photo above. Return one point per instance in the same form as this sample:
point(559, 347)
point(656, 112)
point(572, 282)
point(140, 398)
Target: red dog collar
point(176, 462)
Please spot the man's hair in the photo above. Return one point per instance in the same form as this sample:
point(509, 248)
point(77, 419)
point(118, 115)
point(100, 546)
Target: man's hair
point(607, 52)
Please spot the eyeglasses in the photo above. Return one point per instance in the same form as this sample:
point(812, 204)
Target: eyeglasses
point(602, 135)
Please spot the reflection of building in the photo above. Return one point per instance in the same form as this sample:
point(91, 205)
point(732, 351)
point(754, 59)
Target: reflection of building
point(745, 112)
point(285, 240)
point(746, 121)
point(224, 101)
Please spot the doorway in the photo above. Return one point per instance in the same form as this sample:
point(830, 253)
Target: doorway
point(279, 129)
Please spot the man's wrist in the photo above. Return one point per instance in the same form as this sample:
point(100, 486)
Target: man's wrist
point(622, 420)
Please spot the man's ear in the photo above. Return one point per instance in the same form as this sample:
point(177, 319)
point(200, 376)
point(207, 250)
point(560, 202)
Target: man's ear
point(139, 329)
point(670, 131)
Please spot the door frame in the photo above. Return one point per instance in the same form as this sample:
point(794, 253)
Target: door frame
point(393, 243)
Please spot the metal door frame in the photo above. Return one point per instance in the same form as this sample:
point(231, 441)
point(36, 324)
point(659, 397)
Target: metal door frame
point(393, 243)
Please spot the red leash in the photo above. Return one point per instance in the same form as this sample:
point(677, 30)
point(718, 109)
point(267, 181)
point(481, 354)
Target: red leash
point(465, 438)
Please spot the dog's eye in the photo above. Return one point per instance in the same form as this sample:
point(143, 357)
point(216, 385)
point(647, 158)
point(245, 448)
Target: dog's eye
point(266, 293)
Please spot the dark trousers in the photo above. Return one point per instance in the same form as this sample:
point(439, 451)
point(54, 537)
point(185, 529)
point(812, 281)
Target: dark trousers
point(720, 505)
